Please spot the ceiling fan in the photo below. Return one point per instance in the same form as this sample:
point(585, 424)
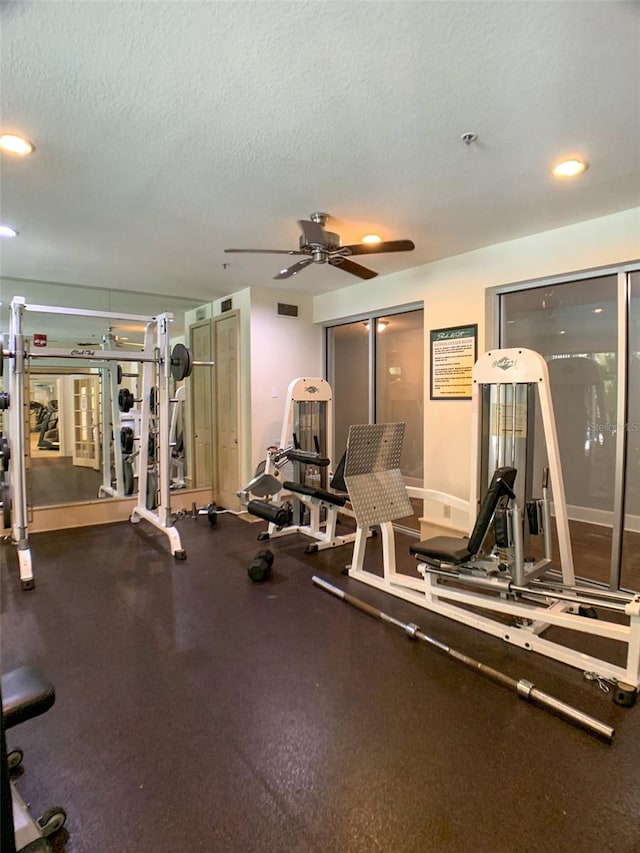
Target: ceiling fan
point(323, 247)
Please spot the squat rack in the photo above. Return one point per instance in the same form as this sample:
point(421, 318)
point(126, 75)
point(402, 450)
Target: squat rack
point(176, 364)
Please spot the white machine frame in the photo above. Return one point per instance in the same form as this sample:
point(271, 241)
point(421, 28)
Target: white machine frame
point(534, 606)
point(156, 352)
point(322, 531)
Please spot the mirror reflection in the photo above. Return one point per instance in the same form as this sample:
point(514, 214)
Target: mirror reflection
point(68, 415)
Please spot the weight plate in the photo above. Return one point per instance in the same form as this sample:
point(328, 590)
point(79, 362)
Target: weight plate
point(4, 400)
point(6, 504)
point(119, 374)
point(125, 399)
point(1, 355)
point(127, 476)
point(152, 490)
point(181, 362)
point(126, 439)
point(153, 399)
point(5, 452)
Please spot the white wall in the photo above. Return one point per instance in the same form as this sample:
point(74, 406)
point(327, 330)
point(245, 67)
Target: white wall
point(282, 349)
point(454, 292)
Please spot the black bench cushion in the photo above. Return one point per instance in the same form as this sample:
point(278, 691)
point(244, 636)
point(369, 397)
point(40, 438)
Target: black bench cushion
point(448, 549)
point(319, 494)
point(25, 694)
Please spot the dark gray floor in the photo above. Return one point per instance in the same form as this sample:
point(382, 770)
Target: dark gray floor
point(197, 711)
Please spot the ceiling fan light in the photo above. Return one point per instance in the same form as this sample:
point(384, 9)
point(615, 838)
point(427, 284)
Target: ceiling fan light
point(570, 168)
point(14, 144)
point(371, 238)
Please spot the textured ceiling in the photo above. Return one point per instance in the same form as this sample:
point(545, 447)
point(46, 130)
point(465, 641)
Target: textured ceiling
point(166, 132)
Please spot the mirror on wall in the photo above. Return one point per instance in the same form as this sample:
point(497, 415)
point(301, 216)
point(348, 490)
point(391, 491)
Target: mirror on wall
point(68, 419)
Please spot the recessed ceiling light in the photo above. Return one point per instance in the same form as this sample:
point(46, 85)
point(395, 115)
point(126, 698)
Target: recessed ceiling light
point(13, 144)
point(371, 238)
point(569, 168)
point(8, 231)
point(562, 332)
point(598, 310)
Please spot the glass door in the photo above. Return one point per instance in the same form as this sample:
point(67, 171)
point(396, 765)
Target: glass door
point(348, 351)
point(630, 573)
point(574, 325)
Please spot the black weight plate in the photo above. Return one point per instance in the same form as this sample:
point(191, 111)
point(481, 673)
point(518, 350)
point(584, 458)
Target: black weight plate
point(119, 373)
point(152, 490)
point(153, 399)
point(125, 399)
point(127, 476)
point(5, 452)
point(6, 504)
point(181, 362)
point(151, 447)
point(4, 400)
point(126, 439)
point(212, 514)
point(1, 355)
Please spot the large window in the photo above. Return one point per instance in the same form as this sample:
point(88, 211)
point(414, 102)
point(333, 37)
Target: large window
point(631, 535)
point(577, 327)
point(376, 370)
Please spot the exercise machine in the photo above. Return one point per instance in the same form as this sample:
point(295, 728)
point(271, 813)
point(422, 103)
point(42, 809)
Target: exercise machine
point(311, 499)
point(160, 365)
point(491, 580)
point(26, 694)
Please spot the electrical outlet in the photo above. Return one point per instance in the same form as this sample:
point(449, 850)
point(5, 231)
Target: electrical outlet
point(446, 511)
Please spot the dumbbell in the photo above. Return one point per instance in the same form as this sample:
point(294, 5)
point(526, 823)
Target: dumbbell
point(260, 568)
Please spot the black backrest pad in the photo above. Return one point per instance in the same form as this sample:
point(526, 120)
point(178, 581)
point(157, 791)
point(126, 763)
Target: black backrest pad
point(489, 504)
point(337, 481)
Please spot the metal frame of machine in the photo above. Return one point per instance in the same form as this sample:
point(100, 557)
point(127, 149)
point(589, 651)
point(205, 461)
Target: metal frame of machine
point(156, 353)
point(501, 592)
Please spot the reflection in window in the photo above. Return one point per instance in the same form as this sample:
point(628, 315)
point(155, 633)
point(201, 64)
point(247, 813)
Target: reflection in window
point(396, 377)
point(630, 576)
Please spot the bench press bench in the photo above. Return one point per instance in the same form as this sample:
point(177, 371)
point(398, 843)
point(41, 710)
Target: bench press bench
point(26, 694)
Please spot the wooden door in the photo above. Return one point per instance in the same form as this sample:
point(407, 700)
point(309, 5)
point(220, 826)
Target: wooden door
point(201, 393)
point(227, 410)
point(86, 422)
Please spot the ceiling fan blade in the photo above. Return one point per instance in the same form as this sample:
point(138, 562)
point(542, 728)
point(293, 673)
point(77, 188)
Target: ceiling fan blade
point(294, 268)
point(312, 231)
point(267, 251)
point(385, 246)
point(353, 268)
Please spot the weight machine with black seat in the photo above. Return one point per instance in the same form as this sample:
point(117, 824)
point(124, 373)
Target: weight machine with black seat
point(26, 694)
point(314, 489)
point(160, 365)
point(491, 580)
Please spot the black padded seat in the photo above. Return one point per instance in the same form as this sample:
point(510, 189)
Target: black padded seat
point(319, 494)
point(451, 549)
point(25, 694)
point(447, 549)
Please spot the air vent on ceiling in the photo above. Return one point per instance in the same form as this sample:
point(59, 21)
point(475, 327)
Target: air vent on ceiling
point(226, 305)
point(285, 310)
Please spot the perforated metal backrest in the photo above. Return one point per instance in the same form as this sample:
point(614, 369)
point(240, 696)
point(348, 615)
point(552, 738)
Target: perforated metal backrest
point(496, 490)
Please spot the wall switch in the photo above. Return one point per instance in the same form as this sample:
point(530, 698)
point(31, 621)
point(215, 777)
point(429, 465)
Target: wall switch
point(446, 511)
point(274, 392)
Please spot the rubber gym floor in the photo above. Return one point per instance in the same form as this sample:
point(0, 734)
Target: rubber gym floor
point(198, 711)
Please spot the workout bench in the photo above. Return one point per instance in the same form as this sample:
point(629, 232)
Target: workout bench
point(27, 694)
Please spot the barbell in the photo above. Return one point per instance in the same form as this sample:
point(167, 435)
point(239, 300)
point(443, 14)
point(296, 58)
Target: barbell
point(180, 366)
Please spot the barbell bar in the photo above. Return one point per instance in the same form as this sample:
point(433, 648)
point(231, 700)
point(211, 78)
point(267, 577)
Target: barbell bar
point(181, 360)
point(523, 688)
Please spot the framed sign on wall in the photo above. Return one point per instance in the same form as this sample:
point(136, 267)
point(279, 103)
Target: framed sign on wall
point(453, 353)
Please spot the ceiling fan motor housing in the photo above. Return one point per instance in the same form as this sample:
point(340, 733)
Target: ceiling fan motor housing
point(330, 242)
